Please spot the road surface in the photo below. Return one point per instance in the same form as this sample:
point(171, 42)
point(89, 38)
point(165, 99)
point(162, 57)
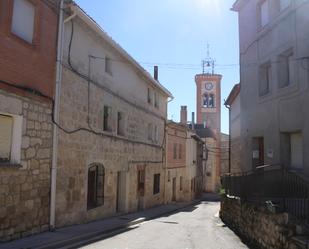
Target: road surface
point(196, 227)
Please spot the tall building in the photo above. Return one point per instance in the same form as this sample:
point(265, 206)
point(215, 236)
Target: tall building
point(208, 127)
point(27, 68)
point(274, 59)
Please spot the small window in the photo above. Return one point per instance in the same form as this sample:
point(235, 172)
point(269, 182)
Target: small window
point(264, 13)
point(107, 118)
point(211, 102)
point(286, 69)
point(6, 132)
point(150, 132)
point(205, 100)
point(156, 134)
point(156, 184)
point(108, 66)
point(23, 19)
point(283, 4)
point(95, 194)
point(265, 79)
point(120, 124)
point(156, 100)
point(149, 98)
point(179, 151)
point(175, 151)
point(181, 183)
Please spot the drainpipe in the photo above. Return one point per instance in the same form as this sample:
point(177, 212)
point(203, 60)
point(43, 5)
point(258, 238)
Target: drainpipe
point(230, 139)
point(56, 115)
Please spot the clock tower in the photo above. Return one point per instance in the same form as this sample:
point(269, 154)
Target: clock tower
point(208, 110)
point(208, 95)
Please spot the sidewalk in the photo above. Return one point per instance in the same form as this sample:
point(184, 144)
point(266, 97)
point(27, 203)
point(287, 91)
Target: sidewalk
point(68, 236)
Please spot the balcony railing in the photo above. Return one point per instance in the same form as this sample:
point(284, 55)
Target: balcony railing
point(286, 189)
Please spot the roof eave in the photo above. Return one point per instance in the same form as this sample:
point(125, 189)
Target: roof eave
point(238, 5)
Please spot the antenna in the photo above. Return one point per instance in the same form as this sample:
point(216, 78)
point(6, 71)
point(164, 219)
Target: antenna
point(208, 64)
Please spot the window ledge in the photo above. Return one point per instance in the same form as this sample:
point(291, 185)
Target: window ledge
point(10, 165)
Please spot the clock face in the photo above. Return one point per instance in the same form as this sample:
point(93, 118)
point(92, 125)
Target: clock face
point(209, 86)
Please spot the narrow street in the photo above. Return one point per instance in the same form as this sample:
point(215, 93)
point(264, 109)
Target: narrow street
point(197, 227)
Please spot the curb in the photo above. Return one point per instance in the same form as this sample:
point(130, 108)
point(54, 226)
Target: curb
point(95, 236)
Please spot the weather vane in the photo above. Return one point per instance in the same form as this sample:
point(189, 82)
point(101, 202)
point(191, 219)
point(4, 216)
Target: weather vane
point(208, 64)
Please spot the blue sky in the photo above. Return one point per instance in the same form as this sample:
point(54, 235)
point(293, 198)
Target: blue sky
point(173, 34)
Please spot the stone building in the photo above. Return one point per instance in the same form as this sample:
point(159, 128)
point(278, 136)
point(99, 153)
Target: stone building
point(233, 104)
point(112, 117)
point(274, 58)
point(27, 69)
point(184, 161)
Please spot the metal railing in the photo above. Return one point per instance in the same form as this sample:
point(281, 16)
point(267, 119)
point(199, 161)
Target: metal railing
point(288, 190)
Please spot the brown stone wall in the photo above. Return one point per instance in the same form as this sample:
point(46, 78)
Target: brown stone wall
point(256, 224)
point(24, 188)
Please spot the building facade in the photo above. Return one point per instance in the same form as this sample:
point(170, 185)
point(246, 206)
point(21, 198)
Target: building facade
point(112, 117)
point(178, 179)
point(28, 32)
point(233, 104)
point(274, 76)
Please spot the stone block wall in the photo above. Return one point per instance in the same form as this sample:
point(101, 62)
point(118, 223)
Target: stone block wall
point(184, 194)
point(25, 187)
point(117, 153)
point(256, 224)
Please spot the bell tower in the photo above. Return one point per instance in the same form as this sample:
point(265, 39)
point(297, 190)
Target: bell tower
point(208, 96)
point(208, 109)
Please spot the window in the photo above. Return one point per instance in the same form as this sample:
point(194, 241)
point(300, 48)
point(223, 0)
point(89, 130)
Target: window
point(23, 19)
point(95, 194)
point(264, 13)
point(286, 69)
point(181, 183)
point(156, 100)
point(265, 79)
point(10, 138)
point(6, 130)
point(156, 134)
point(149, 98)
point(108, 66)
point(205, 100)
point(179, 151)
point(156, 184)
point(211, 102)
point(141, 181)
point(175, 151)
point(150, 131)
point(283, 4)
point(120, 124)
point(107, 118)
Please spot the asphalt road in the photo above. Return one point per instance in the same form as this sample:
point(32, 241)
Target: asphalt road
point(197, 227)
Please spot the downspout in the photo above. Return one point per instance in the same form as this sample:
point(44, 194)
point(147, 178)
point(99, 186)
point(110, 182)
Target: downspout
point(53, 188)
point(230, 139)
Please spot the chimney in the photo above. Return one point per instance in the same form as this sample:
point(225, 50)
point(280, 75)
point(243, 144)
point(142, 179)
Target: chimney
point(183, 115)
point(155, 73)
point(193, 118)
